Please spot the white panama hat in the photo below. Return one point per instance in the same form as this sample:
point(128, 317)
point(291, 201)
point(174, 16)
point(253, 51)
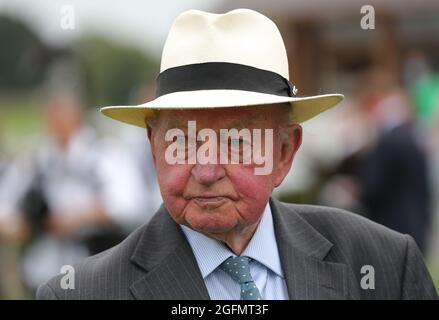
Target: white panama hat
point(223, 60)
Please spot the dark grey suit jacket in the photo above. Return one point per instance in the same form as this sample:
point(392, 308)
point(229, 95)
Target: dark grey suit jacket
point(322, 253)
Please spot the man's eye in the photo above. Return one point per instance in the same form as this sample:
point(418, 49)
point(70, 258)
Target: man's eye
point(180, 140)
point(239, 144)
point(235, 143)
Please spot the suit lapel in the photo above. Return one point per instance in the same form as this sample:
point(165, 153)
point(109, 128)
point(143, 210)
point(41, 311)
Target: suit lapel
point(302, 250)
point(171, 270)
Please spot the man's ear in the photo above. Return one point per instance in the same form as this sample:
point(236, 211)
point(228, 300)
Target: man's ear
point(149, 133)
point(288, 149)
point(151, 141)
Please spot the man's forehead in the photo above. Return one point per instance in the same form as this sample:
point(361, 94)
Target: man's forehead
point(241, 117)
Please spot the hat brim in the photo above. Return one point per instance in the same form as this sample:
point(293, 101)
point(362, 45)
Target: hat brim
point(304, 108)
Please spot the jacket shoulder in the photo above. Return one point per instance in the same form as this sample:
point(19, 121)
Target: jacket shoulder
point(399, 269)
point(341, 225)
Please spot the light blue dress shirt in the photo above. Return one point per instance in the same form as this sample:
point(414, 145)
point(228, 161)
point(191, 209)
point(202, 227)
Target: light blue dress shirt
point(265, 267)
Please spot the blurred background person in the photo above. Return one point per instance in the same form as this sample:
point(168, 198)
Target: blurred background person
point(393, 175)
point(422, 82)
point(84, 196)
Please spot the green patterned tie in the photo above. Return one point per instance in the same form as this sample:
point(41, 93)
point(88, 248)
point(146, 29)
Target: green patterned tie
point(238, 269)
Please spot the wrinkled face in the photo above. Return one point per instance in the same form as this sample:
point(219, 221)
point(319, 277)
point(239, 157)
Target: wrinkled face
point(218, 198)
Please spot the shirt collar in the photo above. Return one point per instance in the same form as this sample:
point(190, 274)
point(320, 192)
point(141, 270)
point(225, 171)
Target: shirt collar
point(210, 253)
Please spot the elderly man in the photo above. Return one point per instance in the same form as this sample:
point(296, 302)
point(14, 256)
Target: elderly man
point(218, 234)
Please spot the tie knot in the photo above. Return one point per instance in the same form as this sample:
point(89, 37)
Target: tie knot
point(238, 269)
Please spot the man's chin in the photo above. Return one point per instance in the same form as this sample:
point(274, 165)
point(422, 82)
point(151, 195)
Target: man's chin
point(210, 222)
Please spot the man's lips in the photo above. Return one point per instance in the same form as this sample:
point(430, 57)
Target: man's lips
point(209, 198)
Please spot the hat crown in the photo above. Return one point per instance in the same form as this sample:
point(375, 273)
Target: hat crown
point(240, 36)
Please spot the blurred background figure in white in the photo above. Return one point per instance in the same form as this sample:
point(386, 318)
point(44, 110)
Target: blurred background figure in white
point(85, 194)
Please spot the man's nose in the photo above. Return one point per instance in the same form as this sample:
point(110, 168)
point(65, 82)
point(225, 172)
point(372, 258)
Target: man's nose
point(208, 174)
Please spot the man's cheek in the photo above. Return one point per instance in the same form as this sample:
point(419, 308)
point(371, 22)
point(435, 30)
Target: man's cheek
point(173, 178)
point(172, 183)
point(248, 184)
point(254, 192)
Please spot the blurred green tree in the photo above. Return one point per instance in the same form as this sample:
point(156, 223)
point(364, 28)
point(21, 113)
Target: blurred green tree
point(23, 56)
point(112, 72)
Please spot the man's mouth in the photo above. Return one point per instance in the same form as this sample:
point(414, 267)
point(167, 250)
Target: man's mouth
point(205, 199)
